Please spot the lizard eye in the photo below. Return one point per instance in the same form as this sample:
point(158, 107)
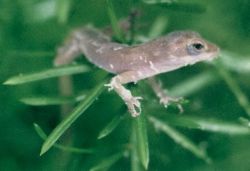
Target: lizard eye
point(195, 48)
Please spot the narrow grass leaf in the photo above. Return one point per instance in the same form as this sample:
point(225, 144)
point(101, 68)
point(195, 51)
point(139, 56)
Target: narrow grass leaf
point(62, 10)
point(193, 84)
point(180, 139)
point(107, 162)
point(141, 140)
point(111, 126)
point(67, 122)
point(178, 6)
point(39, 131)
point(42, 134)
point(135, 161)
point(45, 100)
point(219, 126)
point(158, 1)
point(206, 124)
point(114, 22)
point(49, 73)
point(244, 121)
point(234, 87)
point(235, 62)
point(158, 27)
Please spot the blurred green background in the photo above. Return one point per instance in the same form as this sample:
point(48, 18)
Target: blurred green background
point(30, 32)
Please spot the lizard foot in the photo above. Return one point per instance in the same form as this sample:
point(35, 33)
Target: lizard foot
point(134, 105)
point(166, 100)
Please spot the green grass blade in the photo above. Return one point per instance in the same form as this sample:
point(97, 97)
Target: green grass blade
point(42, 134)
point(107, 162)
point(157, 1)
point(158, 27)
point(178, 6)
point(114, 22)
point(234, 87)
point(49, 73)
point(67, 122)
point(141, 140)
point(180, 139)
point(45, 100)
point(206, 124)
point(135, 162)
point(193, 84)
point(235, 62)
point(218, 126)
point(39, 131)
point(63, 8)
point(111, 126)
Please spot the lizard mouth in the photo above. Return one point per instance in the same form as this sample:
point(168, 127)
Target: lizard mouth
point(213, 51)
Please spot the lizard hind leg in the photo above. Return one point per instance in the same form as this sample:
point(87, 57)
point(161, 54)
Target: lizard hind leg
point(162, 94)
point(68, 51)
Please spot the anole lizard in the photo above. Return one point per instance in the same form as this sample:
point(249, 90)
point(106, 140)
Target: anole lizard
point(134, 63)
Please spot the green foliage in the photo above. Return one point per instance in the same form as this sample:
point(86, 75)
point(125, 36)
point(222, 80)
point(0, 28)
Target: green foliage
point(42, 134)
point(66, 123)
point(111, 126)
point(179, 138)
point(49, 73)
point(214, 127)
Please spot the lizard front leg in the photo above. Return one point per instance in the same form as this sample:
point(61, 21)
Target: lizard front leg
point(133, 103)
point(162, 94)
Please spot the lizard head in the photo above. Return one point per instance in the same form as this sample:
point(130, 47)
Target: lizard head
point(189, 47)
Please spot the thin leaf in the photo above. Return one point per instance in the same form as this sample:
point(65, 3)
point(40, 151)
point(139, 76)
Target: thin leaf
point(245, 121)
point(107, 162)
point(178, 6)
point(135, 162)
point(39, 131)
point(63, 8)
point(206, 124)
point(45, 101)
point(217, 126)
point(235, 88)
point(141, 140)
point(67, 122)
point(235, 62)
point(114, 21)
point(42, 134)
point(158, 1)
point(180, 139)
point(111, 126)
point(158, 27)
point(49, 73)
point(193, 84)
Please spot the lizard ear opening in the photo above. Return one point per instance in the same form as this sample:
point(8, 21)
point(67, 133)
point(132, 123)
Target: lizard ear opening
point(195, 48)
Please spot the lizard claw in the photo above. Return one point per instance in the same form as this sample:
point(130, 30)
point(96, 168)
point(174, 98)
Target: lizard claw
point(134, 106)
point(167, 100)
point(110, 86)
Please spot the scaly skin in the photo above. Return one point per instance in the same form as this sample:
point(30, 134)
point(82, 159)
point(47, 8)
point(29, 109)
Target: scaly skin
point(133, 63)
